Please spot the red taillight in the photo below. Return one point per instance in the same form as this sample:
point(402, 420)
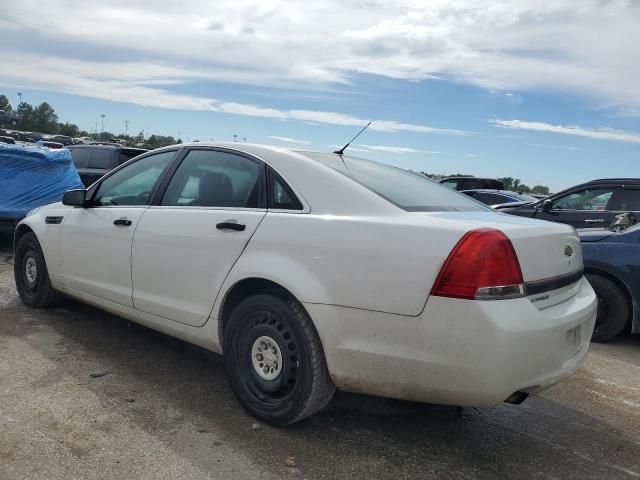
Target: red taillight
point(483, 265)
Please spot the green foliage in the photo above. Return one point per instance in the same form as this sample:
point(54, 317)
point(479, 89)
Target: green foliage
point(540, 189)
point(5, 105)
point(70, 129)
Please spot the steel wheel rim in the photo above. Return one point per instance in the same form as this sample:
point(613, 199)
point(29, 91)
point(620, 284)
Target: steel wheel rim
point(266, 358)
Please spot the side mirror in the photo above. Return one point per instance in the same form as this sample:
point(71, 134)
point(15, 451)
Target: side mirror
point(74, 198)
point(546, 205)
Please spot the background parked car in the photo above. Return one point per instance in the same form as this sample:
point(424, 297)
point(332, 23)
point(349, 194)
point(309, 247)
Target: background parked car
point(612, 263)
point(589, 205)
point(93, 161)
point(46, 143)
point(6, 139)
point(63, 139)
point(472, 183)
point(8, 119)
point(499, 197)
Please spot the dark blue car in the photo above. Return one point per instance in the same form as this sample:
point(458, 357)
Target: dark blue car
point(612, 265)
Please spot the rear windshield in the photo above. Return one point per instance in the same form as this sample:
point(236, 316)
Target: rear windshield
point(410, 191)
point(126, 155)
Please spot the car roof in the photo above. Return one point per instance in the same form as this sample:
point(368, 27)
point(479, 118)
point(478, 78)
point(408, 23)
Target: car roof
point(470, 178)
point(109, 146)
point(489, 190)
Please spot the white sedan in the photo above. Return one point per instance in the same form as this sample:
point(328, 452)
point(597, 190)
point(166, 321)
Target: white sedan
point(311, 271)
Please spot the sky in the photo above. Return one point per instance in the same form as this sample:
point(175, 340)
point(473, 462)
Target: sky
point(545, 91)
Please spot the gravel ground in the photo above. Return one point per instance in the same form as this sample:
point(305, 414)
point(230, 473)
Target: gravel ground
point(86, 395)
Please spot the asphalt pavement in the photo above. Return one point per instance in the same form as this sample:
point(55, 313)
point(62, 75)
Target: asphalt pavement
point(87, 395)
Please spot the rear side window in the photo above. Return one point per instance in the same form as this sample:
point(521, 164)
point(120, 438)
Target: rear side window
point(80, 156)
point(627, 200)
point(102, 158)
point(281, 197)
point(410, 191)
point(209, 178)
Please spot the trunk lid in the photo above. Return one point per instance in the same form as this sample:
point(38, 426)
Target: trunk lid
point(545, 250)
point(594, 235)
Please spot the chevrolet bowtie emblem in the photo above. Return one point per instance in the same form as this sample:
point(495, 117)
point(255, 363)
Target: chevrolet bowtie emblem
point(568, 250)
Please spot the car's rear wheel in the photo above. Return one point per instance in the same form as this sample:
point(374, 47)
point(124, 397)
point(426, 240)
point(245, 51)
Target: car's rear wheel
point(613, 308)
point(274, 360)
point(31, 274)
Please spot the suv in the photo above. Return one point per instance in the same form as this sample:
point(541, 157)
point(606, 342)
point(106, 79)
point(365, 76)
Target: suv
point(472, 183)
point(93, 161)
point(588, 205)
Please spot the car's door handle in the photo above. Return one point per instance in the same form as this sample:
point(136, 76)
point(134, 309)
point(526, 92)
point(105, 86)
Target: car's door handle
point(594, 220)
point(122, 222)
point(231, 226)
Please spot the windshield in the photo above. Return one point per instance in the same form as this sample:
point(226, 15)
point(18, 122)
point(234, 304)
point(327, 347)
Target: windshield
point(410, 191)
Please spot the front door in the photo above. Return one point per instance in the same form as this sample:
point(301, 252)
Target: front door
point(96, 240)
point(185, 246)
point(585, 208)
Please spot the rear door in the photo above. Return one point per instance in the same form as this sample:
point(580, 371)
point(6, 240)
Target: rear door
point(187, 242)
point(588, 207)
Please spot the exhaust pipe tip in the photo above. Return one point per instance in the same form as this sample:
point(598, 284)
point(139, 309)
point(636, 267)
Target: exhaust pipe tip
point(517, 398)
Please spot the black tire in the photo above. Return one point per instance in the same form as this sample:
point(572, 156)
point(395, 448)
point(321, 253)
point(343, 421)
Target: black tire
point(34, 287)
point(303, 386)
point(613, 308)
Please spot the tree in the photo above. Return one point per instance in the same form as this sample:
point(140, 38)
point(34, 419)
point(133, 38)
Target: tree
point(45, 119)
point(5, 105)
point(70, 129)
point(508, 182)
point(540, 189)
point(25, 111)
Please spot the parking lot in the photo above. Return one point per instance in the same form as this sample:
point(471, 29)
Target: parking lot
point(84, 394)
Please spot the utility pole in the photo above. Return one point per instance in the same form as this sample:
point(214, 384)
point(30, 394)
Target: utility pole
point(19, 98)
point(126, 127)
point(102, 130)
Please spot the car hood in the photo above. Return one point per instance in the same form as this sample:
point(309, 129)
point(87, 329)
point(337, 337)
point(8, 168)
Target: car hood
point(589, 235)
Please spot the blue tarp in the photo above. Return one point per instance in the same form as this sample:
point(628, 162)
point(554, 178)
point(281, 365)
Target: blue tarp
point(33, 176)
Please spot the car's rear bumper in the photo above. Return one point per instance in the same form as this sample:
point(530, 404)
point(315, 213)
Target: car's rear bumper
point(457, 352)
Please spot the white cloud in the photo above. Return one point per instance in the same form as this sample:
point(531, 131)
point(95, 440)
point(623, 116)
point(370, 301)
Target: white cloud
point(585, 47)
point(288, 139)
point(392, 149)
point(595, 133)
point(471, 155)
point(126, 84)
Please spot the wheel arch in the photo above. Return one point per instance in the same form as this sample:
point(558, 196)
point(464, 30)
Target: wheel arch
point(245, 288)
point(21, 230)
point(618, 282)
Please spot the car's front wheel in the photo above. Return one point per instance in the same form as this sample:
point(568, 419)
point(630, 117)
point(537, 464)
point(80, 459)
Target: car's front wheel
point(275, 361)
point(613, 308)
point(31, 274)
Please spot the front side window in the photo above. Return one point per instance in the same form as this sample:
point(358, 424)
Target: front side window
point(133, 184)
point(410, 191)
point(209, 178)
point(590, 199)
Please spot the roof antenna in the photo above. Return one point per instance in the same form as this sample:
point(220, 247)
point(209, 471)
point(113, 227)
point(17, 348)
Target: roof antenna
point(341, 151)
